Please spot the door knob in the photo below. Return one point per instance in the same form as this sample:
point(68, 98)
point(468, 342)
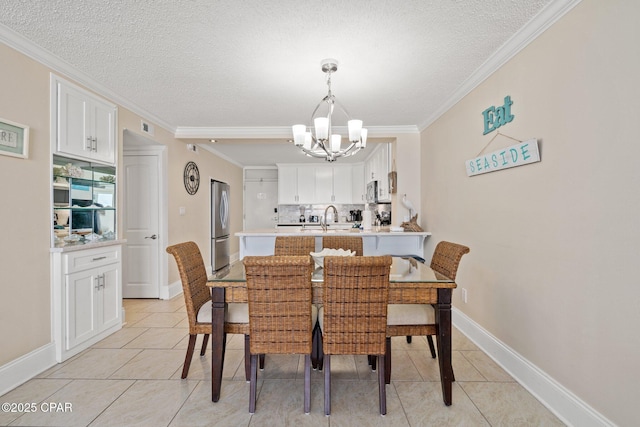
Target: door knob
point(154, 237)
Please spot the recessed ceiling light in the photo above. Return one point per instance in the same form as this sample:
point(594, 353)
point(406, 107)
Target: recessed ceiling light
point(213, 141)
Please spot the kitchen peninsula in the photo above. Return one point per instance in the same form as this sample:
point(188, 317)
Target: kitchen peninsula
point(374, 242)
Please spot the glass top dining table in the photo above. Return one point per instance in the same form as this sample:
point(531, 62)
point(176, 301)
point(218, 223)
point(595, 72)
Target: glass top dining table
point(410, 282)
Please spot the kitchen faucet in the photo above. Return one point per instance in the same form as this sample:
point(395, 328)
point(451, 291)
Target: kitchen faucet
point(323, 223)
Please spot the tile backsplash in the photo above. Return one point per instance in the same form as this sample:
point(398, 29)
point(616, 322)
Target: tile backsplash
point(291, 213)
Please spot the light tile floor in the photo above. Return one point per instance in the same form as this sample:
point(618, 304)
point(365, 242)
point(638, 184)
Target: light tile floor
point(132, 378)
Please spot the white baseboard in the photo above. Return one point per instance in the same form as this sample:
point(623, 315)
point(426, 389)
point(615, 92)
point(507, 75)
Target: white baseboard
point(558, 399)
point(22, 369)
point(168, 292)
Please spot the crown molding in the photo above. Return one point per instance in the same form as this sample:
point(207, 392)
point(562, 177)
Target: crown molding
point(43, 56)
point(284, 132)
point(536, 26)
point(211, 149)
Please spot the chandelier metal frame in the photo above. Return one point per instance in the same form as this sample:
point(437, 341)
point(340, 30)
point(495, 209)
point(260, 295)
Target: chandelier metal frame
point(323, 143)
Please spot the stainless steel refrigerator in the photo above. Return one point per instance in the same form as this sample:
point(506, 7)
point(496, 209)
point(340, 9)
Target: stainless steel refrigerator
point(219, 225)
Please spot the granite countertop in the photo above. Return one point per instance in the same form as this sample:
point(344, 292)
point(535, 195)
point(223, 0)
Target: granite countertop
point(79, 246)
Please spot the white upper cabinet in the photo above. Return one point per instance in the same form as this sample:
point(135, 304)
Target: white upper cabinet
point(377, 168)
point(296, 185)
point(358, 187)
point(306, 184)
point(85, 124)
point(342, 184)
point(324, 185)
point(287, 185)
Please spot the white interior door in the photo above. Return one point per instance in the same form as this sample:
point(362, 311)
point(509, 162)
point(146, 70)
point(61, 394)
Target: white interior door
point(141, 224)
point(260, 202)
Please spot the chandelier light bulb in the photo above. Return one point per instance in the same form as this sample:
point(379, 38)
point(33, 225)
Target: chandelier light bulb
point(298, 134)
point(308, 141)
point(322, 128)
point(336, 140)
point(355, 128)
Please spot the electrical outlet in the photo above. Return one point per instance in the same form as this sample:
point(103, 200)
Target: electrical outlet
point(464, 295)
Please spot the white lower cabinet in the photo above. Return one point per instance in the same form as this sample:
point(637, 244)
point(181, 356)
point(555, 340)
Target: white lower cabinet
point(87, 298)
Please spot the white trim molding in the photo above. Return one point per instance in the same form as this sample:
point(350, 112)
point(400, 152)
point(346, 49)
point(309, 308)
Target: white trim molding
point(558, 399)
point(24, 368)
point(284, 132)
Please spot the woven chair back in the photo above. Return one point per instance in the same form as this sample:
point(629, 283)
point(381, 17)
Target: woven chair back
point(295, 245)
point(279, 296)
point(351, 243)
point(193, 276)
point(356, 292)
point(446, 258)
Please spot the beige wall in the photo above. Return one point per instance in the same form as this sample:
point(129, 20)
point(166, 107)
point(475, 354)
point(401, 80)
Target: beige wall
point(194, 225)
point(25, 314)
point(552, 271)
point(25, 304)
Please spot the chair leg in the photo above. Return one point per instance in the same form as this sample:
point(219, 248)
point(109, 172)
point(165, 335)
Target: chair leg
point(409, 339)
point(327, 385)
point(431, 346)
point(187, 359)
point(307, 383)
point(314, 347)
point(382, 387)
point(262, 362)
point(387, 361)
point(372, 362)
point(320, 352)
point(205, 341)
point(253, 383)
point(247, 359)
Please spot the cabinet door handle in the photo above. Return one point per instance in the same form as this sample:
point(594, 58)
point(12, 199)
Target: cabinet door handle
point(100, 281)
point(89, 144)
point(97, 283)
point(94, 144)
point(99, 258)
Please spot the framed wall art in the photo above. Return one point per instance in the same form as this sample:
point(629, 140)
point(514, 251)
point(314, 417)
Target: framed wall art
point(14, 139)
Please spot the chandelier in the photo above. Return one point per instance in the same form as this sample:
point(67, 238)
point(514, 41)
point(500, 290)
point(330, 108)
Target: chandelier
point(322, 142)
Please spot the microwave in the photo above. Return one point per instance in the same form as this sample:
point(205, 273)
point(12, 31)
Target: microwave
point(372, 192)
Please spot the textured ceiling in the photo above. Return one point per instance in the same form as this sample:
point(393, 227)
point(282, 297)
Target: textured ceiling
point(256, 63)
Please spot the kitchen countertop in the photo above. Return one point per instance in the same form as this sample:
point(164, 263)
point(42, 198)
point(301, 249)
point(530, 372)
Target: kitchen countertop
point(316, 224)
point(317, 231)
point(81, 246)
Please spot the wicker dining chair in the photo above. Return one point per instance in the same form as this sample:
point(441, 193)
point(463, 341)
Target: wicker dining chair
point(353, 317)
point(281, 315)
point(352, 243)
point(294, 245)
point(348, 243)
point(197, 300)
point(419, 319)
point(301, 246)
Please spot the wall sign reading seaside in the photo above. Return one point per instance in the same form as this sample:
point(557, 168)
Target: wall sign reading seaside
point(494, 117)
point(516, 155)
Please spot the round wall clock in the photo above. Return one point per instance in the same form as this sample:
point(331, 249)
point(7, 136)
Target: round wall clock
point(191, 178)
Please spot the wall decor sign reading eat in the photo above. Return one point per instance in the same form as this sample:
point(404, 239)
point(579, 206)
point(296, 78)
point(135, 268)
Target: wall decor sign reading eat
point(494, 117)
point(516, 155)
